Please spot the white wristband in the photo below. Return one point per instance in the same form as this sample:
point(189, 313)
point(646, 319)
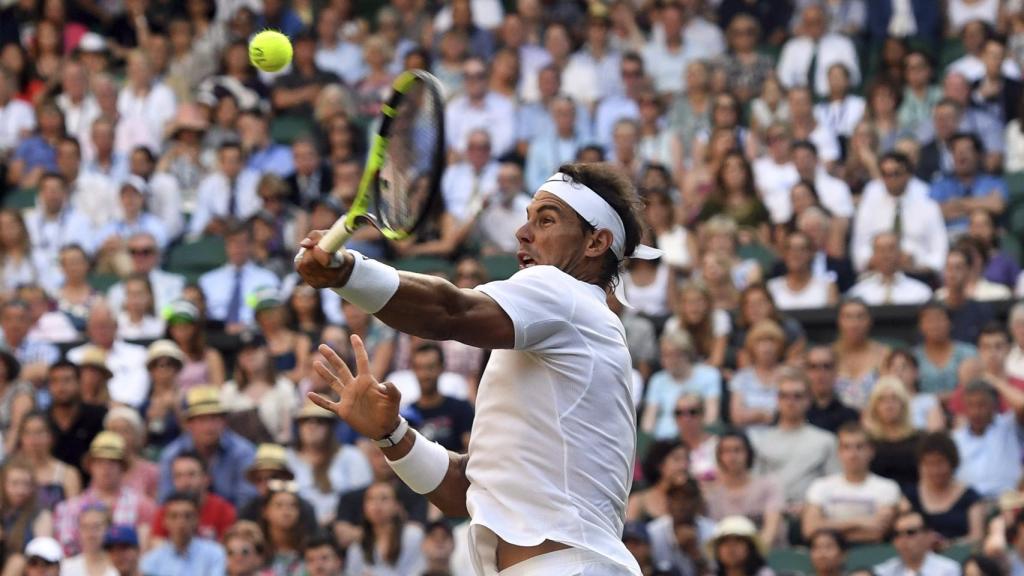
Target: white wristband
point(370, 285)
point(424, 467)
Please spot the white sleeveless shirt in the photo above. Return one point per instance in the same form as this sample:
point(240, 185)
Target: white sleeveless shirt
point(554, 438)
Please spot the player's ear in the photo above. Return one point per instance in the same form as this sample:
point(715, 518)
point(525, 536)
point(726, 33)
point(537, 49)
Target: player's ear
point(599, 243)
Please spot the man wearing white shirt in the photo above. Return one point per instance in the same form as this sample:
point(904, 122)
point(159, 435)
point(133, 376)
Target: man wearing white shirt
point(887, 285)
point(595, 60)
point(804, 126)
point(506, 210)
point(78, 105)
point(164, 192)
point(52, 225)
point(226, 288)
point(145, 98)
point(842, 111)
point(333, 54)
point(666, 59)
point(103, 159)
point(547, 153)
point(833, 193)
point(487, 14)
point(17, 118)
point(971, 66)
point(130, 382)
point(93, 195)
point(228, 194)
point(619, 106)
point(145, 258)
point(900, 204)
point(534, 118)
point(806, 58)
point(479, 108)
point(472, 180)
point(776, 175)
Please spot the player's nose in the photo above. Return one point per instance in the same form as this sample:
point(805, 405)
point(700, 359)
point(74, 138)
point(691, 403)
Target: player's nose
point(523, 234)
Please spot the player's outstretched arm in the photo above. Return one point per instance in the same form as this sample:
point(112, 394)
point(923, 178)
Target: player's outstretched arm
point(372, 409)
point(424, 306)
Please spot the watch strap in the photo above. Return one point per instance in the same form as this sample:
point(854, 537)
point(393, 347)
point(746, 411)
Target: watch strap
point(395, 436)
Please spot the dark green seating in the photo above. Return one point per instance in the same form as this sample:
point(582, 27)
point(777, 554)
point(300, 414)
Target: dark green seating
point(424, 265)
point(790, 560)
point(20, 199)
point(869, 555)
point(500, 266)
point(194, 258)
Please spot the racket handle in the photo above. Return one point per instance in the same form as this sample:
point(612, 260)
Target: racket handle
point(336, 237)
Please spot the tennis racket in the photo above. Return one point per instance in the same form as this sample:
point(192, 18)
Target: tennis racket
point(404, 165)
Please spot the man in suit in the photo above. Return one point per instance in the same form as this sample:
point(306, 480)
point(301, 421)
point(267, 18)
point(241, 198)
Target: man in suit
point(936, 158)
point(312, 177)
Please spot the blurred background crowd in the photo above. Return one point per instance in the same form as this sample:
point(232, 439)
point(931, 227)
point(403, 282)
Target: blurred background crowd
point(829, 361)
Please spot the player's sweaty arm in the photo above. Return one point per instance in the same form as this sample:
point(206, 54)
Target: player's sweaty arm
point(424, 306)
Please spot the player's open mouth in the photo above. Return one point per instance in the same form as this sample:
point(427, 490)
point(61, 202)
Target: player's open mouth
point(525, 261)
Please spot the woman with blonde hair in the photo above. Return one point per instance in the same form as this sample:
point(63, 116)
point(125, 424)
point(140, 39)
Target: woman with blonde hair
point(754, 395)
point(246, 550)
point(886, 419)
point(16, 266)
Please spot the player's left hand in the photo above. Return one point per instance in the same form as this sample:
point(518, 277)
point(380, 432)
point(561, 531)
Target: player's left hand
point(320, 269)
point(369, 407)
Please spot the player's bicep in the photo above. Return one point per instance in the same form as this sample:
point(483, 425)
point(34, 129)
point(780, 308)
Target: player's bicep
point(482, 323)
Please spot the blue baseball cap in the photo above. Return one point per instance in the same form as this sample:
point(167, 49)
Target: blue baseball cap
point(121, 535)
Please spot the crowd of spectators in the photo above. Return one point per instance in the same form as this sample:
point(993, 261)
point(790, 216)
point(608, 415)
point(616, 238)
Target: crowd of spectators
point(795, 157)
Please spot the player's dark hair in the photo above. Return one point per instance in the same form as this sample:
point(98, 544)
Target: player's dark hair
point(615, 188)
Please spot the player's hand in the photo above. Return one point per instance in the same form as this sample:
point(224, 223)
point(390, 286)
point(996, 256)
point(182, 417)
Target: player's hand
point(320, 269)
point(369, 407)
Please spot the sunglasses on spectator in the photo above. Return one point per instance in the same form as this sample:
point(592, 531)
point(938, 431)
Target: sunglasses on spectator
point(632, 73)
point(688, 411)
point(820, 365)
point(142, 251)
point(907, 532)
point(244, 551)
point(38, 562)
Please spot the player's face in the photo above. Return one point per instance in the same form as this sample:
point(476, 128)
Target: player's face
point(552, 235)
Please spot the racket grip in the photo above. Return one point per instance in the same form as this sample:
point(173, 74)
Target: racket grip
point(336, 237)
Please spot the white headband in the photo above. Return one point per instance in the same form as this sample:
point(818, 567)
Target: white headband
point(598, 213)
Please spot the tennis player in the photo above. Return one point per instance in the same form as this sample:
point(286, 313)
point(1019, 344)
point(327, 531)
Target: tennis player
point(550, 457)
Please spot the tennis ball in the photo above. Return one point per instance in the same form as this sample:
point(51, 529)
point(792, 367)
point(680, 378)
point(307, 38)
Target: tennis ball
point(270, 51)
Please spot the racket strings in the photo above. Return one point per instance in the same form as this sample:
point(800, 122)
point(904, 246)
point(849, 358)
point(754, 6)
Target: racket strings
point(411, 155)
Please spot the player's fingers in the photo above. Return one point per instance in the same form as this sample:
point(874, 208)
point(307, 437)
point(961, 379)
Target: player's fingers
point(321, 401)
point(337, 363)
point(325, 373)
point(362, 358)
point(312, 238)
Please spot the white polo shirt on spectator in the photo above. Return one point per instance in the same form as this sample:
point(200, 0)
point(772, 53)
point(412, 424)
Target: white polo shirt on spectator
point(154, 108)
point(95, 197)
point(841, 500)
point(991, 463)
point(16, 119)
point(496, 115)
point(826, 141)
point(666, 66)
point(775, 181)
point(900, 289)
point(923, 234)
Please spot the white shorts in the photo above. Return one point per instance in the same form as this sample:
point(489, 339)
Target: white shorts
point(569, 562)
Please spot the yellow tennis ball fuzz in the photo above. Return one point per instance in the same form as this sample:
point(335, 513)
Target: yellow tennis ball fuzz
point(270, 51)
